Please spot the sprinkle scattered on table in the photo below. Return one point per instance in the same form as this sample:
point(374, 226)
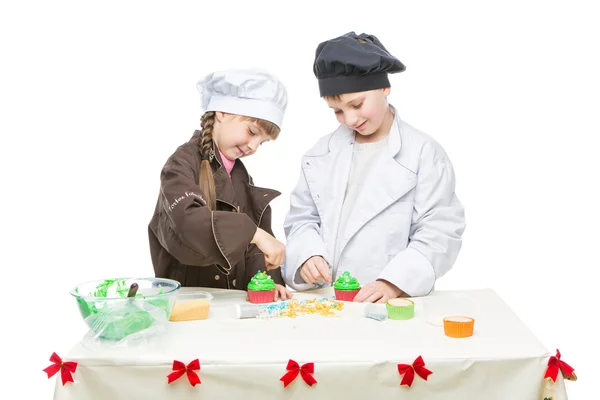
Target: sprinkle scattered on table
point(326, 307)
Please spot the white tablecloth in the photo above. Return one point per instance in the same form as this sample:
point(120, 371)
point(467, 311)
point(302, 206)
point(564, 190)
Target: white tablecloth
point(355, 357)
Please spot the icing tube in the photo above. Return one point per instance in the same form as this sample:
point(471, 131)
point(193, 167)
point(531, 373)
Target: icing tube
point(376, 312)
point(243, 311)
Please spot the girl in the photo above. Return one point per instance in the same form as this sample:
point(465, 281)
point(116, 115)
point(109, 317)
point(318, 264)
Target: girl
point(212, 226)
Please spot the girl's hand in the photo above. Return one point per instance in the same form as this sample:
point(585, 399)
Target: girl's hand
point(282, 292)
point(272, 248)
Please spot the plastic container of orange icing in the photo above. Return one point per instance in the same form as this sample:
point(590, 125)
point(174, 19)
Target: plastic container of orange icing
point(191, 306)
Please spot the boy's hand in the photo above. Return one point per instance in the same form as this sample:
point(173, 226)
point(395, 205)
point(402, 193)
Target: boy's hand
point(282, 293)
point(315, 269)
point(378, 292)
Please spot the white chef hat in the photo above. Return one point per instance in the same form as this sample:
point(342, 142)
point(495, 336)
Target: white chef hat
point(250, 92)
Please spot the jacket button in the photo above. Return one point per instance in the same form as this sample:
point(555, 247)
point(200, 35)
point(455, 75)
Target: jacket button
point(217, 277)
point(233, 282)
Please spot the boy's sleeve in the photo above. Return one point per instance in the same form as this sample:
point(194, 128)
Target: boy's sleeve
point(302, 228)
point(438, 223)
point(188, 229)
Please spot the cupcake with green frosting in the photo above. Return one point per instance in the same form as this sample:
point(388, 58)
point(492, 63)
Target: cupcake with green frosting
point(346, 287)
point(261, 288)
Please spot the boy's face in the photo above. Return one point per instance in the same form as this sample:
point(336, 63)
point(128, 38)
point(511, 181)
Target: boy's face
point(364, 112)
point(236, 137)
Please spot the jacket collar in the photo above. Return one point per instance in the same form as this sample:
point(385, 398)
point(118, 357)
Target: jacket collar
point(261, 197)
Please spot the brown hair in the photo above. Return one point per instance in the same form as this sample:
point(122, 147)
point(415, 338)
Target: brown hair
point(206, 179)
point(335, 97)
point(338, 97)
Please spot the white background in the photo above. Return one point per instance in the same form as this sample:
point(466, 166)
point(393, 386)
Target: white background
point(95, 96)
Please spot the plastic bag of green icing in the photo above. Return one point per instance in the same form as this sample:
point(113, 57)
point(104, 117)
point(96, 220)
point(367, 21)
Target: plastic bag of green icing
point(125, 323)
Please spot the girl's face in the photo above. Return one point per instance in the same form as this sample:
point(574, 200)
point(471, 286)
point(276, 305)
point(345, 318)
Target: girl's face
point(364, 112)
point(236, 137)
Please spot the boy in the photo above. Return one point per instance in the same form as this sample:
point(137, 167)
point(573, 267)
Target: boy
point(375, 197)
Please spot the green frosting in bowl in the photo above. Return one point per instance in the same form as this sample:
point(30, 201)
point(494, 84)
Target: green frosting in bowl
point(346, 282)
point(261, 282)
point(109, 313)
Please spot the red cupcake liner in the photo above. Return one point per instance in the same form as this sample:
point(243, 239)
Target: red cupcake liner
point(260, 297)
point(345, 295)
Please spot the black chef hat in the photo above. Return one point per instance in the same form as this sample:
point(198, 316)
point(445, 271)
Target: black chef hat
point(353, 63)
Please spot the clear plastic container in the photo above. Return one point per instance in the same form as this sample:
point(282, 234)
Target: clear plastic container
point(191, 306)
point(105, 308)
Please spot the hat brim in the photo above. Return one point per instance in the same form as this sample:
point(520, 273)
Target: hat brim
point(247, 107)
point(342, 84)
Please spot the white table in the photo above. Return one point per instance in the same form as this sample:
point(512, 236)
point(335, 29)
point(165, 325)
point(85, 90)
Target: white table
point(355, 357)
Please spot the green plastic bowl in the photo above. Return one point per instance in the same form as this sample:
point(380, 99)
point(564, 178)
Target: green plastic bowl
point(120, 316)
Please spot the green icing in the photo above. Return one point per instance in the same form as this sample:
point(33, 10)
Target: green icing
point(346, 282)
point(121, 324)
point(124, 323)
point(261, 282)
point(121, 288)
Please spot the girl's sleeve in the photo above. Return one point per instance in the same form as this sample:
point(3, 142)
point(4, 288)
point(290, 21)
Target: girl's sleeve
point(188, 229)
point(255, 259)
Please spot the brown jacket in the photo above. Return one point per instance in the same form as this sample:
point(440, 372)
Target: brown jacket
point(197, 246)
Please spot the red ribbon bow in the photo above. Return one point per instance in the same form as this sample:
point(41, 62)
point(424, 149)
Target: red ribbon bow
point(555, 364)
point(294, 369)
point(417, 366)
point(181, 369)
point(65, 368)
